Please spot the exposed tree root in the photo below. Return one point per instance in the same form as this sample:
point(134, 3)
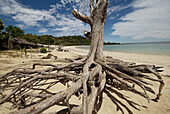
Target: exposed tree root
point(30, 88)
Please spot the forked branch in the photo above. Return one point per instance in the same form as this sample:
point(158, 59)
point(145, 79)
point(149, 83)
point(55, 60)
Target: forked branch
point(82, 17)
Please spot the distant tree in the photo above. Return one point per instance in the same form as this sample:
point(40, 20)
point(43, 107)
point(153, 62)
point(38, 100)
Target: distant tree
point(46, 39)
point(14, 31)
point(31, 38)
point(2, 26)
point(72, 40)
point(50, 40)
point(3, 34)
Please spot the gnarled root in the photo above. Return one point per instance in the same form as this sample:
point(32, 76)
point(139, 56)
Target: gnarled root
point(29, 88)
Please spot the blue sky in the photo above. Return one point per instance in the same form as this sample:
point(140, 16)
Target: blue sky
point(127, 21)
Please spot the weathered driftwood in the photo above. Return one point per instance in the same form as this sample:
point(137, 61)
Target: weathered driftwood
point(49, 56)
point(90, 77)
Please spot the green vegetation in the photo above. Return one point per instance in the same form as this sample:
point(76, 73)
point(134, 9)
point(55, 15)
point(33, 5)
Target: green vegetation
point(3, 34)
point(50, 40)
point(46, 39)
point(72, 40)
point(43, 50)
point(15, 32)
point(31, 38)
point(2, 26)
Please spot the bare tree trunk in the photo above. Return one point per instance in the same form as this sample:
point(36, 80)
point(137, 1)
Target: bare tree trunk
point(97, 21)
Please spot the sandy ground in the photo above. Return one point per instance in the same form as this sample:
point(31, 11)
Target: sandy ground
point(162, 107)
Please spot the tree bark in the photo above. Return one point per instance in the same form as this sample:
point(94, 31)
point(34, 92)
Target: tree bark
point(96, 20)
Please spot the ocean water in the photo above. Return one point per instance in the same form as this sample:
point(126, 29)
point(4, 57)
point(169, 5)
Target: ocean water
point(158, 48)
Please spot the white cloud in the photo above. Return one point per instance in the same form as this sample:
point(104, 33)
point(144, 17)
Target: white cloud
point(151, 19)
point(117, 8)
point(63, 28)
point(22, 26)
point(56, 17)
point(43, 30)
point(23, 14)
point(68, 25)
point(71, 28)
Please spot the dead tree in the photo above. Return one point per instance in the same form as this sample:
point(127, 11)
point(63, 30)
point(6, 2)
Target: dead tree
point(91, 76)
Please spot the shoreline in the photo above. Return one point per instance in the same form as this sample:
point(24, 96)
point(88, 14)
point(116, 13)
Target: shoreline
point(126, 52)
point(161, 60)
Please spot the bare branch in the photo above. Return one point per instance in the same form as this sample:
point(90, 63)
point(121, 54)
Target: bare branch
point(81, 17)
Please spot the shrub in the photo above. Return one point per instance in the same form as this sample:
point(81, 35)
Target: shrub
point(43, 50)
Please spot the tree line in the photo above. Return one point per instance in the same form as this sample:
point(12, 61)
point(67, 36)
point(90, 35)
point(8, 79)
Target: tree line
point(11, 31)
point(15, 32)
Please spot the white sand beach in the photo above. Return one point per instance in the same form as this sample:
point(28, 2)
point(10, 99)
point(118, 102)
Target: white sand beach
point(162, 60)
point(161, 107)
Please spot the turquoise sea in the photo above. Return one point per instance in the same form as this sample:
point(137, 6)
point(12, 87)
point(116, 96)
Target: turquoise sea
point(158, 48)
